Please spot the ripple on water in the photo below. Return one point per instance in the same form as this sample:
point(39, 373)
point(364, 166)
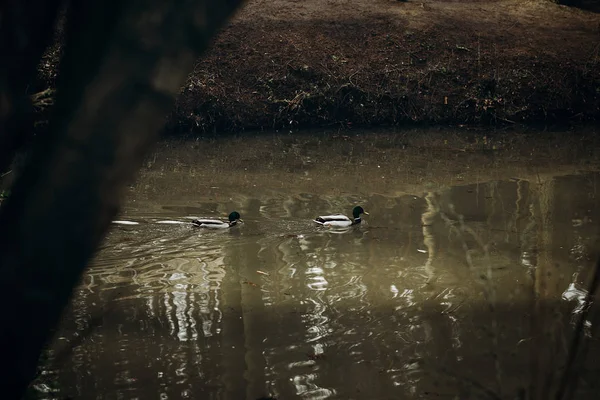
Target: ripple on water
point(403, 305)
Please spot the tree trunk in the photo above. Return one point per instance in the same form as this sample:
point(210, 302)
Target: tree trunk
point(124, 64)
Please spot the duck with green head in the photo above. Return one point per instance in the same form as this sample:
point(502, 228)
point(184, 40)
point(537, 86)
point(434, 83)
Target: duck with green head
point(214, 223)
point(341, 221)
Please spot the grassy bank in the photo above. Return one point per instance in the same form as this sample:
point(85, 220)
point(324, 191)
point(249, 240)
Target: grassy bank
point(282, 64)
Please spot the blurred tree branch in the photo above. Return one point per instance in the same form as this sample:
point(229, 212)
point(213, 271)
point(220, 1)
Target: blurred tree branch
point(123, 65)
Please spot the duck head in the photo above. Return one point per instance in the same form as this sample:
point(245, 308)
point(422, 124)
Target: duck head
point(235, 217)
point(357, 211)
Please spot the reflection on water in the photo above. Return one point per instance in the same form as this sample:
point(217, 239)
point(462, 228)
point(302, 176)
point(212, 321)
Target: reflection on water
point(431, 297)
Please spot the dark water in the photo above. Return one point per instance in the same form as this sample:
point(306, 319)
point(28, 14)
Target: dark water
point(464, 282)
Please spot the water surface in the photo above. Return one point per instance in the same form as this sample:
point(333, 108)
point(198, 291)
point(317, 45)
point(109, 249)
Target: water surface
point(463, 282)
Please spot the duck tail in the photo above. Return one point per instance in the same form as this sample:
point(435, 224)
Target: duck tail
point(195, 223)
point(319, 220)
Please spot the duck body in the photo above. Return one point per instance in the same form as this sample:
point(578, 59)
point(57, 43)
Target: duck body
point(340, 220)
point(211, 223)
point(215, 223)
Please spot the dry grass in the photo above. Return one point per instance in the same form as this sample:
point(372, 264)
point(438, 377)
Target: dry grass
point(313, 63)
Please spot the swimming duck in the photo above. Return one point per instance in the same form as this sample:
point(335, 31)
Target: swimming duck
point(341, 221)
point(233, 219)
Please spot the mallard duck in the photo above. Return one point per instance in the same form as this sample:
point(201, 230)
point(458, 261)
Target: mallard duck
point(341, 221)
point(233, 219)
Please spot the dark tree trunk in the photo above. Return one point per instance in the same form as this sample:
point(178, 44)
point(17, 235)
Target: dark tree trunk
point(123, 66)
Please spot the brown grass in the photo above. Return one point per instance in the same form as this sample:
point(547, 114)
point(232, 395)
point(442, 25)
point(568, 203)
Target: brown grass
point(340, 62)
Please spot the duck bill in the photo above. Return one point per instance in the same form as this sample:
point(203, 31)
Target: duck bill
point(241, 220)
point(366, 213)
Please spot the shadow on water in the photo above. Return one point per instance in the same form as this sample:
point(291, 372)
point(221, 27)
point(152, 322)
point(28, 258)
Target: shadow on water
point(467, 291)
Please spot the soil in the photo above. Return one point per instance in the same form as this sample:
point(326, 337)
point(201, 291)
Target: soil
point(314, 63)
